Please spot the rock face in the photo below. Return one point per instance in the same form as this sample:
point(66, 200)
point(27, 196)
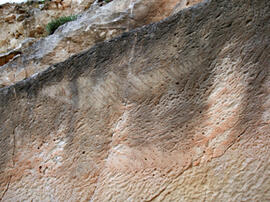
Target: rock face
point(19, 22)
point(97, 24)
point(175, 111)
point(4, 58)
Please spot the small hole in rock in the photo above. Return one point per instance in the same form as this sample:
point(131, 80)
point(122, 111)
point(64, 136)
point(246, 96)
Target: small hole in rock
point(145, 159)
point(177, 83)
point(83, 152)
point(248, 21)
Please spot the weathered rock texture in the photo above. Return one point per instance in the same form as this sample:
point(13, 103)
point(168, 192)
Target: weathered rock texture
point(97, 24)
point(175, 111)
point(19, 22)
point(28, 20)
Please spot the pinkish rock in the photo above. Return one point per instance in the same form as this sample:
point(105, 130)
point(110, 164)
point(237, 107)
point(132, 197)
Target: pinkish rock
point(174, 111)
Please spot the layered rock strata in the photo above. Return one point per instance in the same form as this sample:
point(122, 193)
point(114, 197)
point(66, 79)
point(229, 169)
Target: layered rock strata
point(176, 111)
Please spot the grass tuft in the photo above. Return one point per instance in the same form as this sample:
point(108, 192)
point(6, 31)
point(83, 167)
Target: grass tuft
point(54, 24)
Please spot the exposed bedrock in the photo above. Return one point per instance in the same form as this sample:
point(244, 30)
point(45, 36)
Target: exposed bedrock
point(175, 111)
point(96, 24)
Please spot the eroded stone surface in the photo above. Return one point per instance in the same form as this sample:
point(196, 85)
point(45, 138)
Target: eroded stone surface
point(176, 111)
point(97, 24)
point(5, 58)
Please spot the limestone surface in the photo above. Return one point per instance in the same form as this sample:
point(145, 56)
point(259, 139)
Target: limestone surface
point(98, 23)
point(178, 110)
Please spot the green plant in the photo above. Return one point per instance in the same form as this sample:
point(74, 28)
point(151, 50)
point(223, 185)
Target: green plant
point(43, 1)
point(54, 24)
point(104, 1)
point(30, 2)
